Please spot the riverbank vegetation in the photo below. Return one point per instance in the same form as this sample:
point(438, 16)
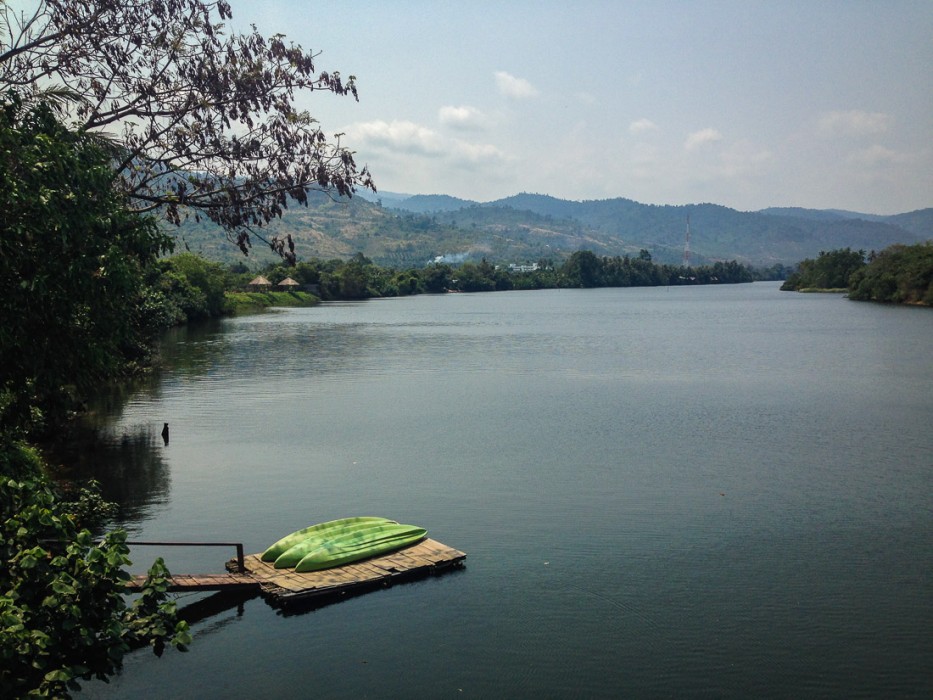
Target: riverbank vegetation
point(900, 274)
point(246, 302)
point(828, 272)
point(360, 278)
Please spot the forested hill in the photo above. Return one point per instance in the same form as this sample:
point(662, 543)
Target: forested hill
point(776, 234)
point(408, 231)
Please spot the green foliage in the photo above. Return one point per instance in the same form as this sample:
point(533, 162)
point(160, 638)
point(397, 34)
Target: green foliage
point(87, 506)
point(245, 302)
point(436, 277)
point(831, 270)
point(902, 274)
point(352, 280)
point(184, 288)
point(584, 269)
point(63, 613)
point(406, 283)
point(475, 278)
point(71, 262)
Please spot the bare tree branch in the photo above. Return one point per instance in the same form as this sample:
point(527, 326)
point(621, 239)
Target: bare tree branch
point(208, 120)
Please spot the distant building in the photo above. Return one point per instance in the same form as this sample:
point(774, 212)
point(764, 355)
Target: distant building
point(523, 268)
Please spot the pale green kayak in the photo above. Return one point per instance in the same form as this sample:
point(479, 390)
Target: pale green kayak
point(363, 544)
point(291, 556)
point(277, 549)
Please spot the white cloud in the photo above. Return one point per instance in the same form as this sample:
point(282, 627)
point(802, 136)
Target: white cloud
point(397, 136)
point(517, 88)
point(701, 138)
point(642, 126)
point(854, 122)
point(408, 138)
point(463, 117)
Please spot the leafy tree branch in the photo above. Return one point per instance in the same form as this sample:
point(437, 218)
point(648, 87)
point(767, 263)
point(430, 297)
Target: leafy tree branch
point(207, 121)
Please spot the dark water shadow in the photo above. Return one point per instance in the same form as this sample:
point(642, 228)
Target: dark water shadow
point(309, 605)
point(216, 604)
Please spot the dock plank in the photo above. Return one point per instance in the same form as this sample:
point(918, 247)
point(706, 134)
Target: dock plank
point(201, 582)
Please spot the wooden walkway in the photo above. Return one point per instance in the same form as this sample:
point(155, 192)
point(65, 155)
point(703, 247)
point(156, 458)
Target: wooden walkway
point(203, 582)
point(285, 586)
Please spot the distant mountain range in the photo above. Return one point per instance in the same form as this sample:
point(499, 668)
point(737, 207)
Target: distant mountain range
point(410, 230)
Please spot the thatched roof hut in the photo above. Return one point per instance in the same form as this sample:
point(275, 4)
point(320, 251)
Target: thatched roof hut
point(260, 282)
point(289, 282)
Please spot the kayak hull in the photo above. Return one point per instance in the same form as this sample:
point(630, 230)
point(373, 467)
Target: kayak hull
point(361, 545)
point(321, 529)
point(294, 554)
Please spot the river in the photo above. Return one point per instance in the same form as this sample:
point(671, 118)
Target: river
point(717, 491)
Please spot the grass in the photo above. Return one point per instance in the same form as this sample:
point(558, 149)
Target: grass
point(251, 302)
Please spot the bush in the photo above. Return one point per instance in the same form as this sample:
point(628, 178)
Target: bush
point(63, 615)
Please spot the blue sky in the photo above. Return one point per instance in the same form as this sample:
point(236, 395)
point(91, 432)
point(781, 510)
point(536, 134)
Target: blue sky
point(821, 104)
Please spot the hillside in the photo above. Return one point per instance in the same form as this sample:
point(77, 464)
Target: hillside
point(421, 228)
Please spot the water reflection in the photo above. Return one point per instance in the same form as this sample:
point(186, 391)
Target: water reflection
point(194, 349)
point(128, 459)
point(130, 467)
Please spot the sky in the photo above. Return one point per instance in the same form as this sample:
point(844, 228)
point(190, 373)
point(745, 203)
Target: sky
point(825, 104)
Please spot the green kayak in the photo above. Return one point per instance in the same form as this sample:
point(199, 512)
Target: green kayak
point(273, 552)
point(291, 556)
point(363, 544)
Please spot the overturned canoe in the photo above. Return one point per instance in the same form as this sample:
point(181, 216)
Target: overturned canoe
point(363, 544)
point(294, 554)
point(277, 549)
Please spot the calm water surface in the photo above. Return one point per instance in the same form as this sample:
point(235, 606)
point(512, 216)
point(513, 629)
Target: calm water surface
point(698, 492)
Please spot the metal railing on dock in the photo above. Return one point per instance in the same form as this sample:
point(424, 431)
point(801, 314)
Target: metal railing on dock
point(241, 566)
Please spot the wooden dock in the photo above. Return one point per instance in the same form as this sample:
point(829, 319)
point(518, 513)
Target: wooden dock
point(285, 586)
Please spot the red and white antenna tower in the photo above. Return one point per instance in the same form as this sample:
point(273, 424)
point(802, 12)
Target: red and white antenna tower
point(687, 244)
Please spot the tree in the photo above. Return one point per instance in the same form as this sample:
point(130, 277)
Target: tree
point(353, 281)
point(206, 122)
point(71, 261)
point(436, 277)
point(582, 269)
point(831, 270)
point(475, 278)
point(207, 278)
point(899, 273)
